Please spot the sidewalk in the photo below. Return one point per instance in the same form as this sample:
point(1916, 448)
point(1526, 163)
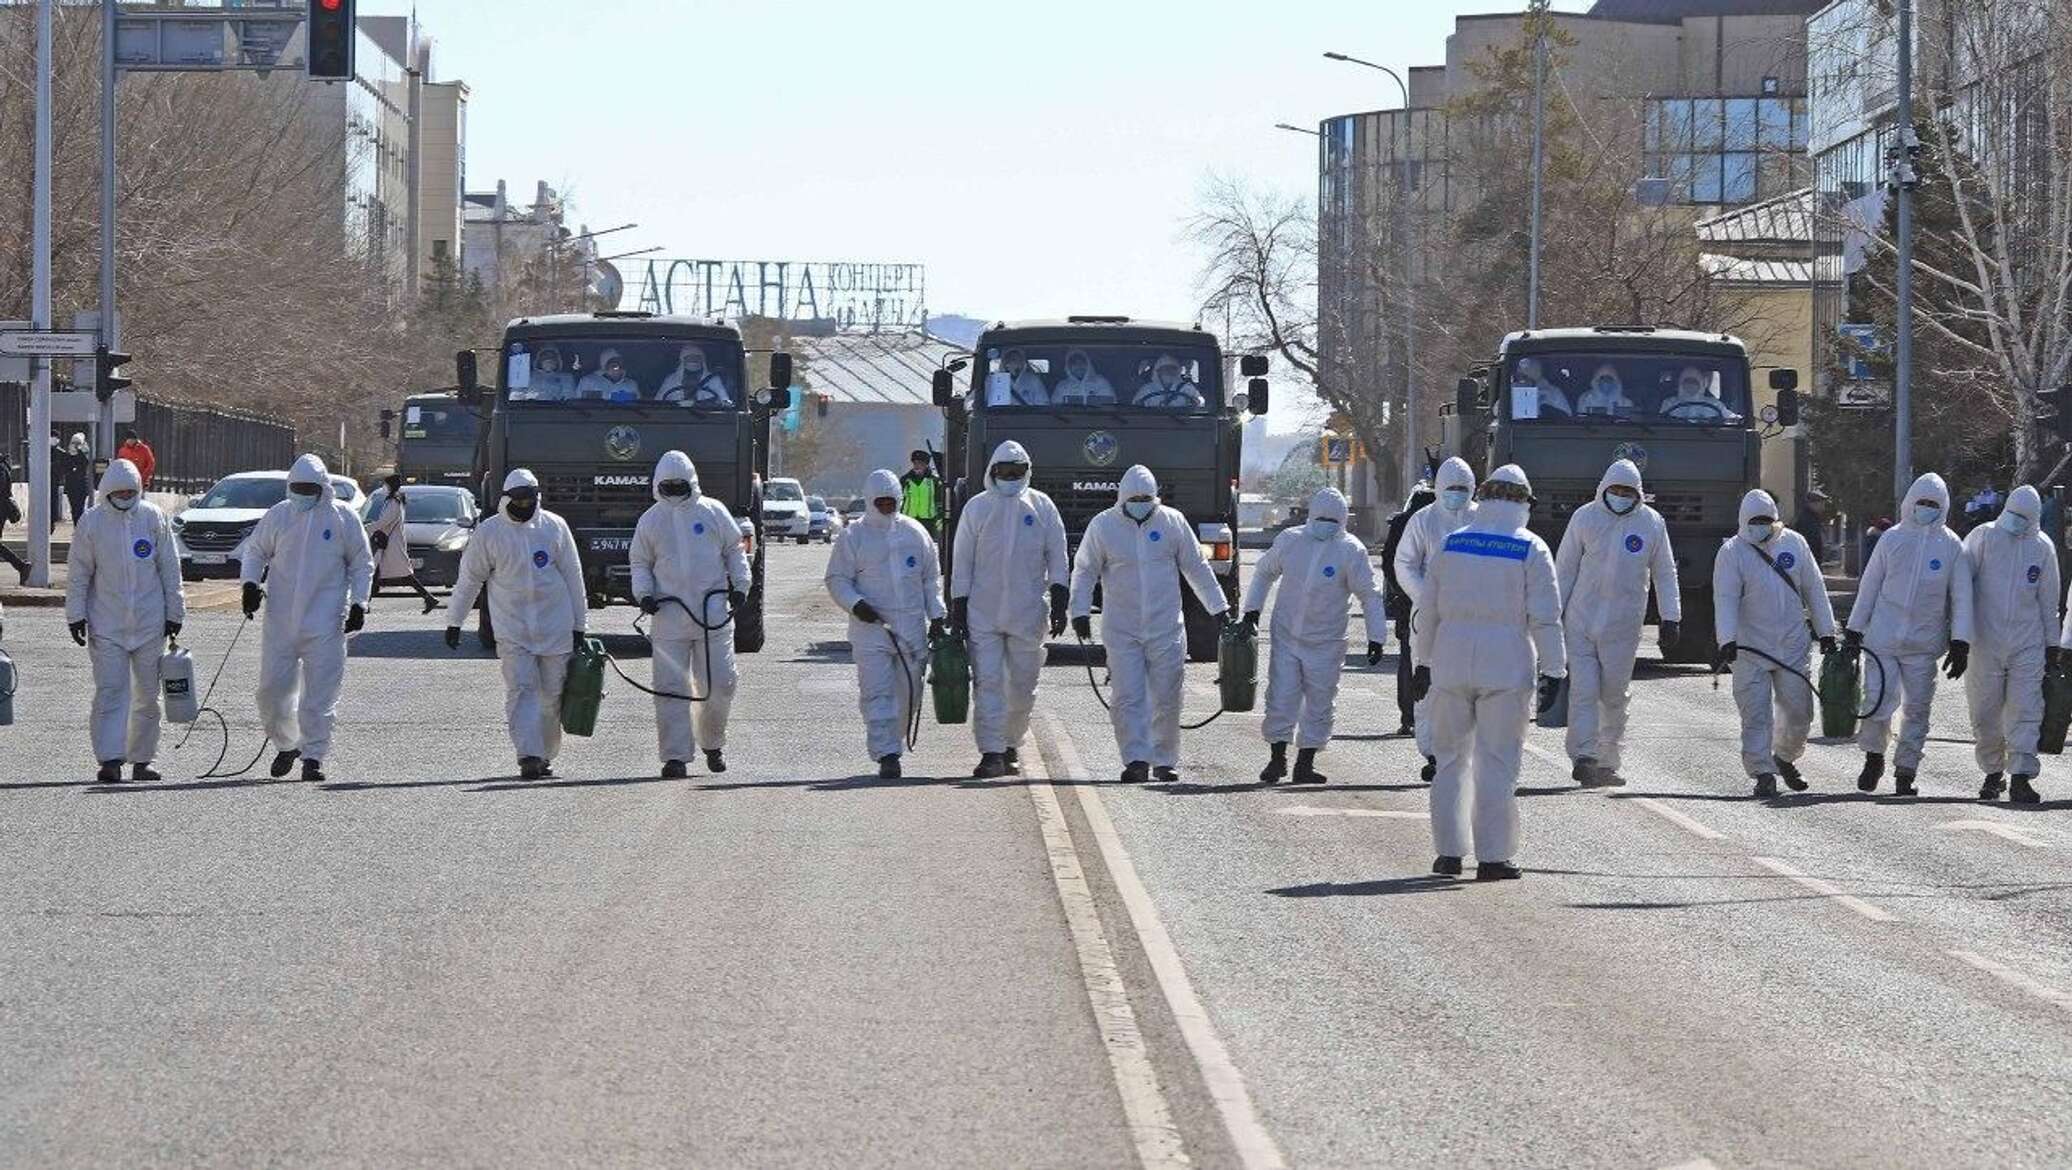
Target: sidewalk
point(215, 593)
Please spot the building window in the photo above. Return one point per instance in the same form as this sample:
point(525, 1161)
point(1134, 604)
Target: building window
point(442, 251)
point(1726, 151)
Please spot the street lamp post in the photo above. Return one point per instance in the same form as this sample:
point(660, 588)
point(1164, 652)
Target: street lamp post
point(1412, 453)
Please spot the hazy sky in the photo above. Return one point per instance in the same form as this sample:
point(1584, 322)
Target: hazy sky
point(1039, 159)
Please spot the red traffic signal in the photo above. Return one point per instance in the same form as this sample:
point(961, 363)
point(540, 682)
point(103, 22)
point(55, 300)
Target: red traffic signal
point(329, 34)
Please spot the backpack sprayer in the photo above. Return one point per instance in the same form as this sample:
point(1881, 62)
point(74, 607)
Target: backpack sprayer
point(1237, 673)
point(10, 679)
point(178, 660)
point(2057, 708)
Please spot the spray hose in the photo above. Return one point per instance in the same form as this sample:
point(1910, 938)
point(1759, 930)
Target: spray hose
point(1796, 673)
point(212, 772)
point(913, 723)
point(697, 619)
point(1087, 661)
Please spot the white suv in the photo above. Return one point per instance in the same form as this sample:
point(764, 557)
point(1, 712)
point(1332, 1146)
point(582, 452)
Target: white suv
point(785, 512)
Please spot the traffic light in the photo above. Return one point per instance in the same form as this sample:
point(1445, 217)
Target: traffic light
point(108, 373)
point(330, 40)
point(2055, 412)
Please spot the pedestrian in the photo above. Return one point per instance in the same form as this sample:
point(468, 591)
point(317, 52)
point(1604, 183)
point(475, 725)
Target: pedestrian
point(2014, 597)
point(388, 535)
point(692, 577)
point(1766, 591)
point(139, 452)
point(1913, 604)
point(885, 575)
point(921, 494)
point(1009, 574)
point(1811, 523)
point(526, 557)
point(311, 551)
point(1875, 529)
point(1423, 537)
point(1489, 622)
point(10, 513)
point(1614, 548)
point(79, 472)
point(1137, 553)
point(123, 601)
point(1398, 602)
point(1320, 567)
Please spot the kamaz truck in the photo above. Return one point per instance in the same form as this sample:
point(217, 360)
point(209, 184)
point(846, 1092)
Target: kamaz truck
point(1564, 403)
point(589, 401)
point(437, 440)
point(1090, 396)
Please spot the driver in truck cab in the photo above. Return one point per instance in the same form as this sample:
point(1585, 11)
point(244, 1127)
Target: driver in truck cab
point(1169, 387)
point(694, 382)
point(1082, 385)
point(1606, 395)
point(1548, 396)
point(1694, 385)
point(609, 381)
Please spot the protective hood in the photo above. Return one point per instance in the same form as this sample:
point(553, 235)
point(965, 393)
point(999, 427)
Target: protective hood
point(521, 478)
point(1510, 473)
point(1008, 452)
point(605, 357)
point(1137, 481)
point(2026, 502)
point(1755, 503)
point(1328, 504)
point(122, 476)
point(1622, 473)
point(882, 483)
point(1929, 486)
point(1454, 473)
point(687, 355)
point(672, 465)
point(1610, 371)
point(310, 469)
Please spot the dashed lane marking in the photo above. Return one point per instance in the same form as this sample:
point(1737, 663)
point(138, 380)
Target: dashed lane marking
point(1679, 818)
point(1824, 889)
point(1305, 810)
point(2014, 978)
point(1695, 1164)
point(2004, 832)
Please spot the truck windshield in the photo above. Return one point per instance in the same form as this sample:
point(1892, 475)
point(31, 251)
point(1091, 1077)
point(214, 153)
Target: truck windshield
point(697, 374)
point(1174, 380)
point(438, 422)
point(1693, 389)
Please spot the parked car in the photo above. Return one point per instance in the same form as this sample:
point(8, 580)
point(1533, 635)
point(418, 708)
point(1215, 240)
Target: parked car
point(784, 511)
point(212, 528)
point(852, 511)
point(825, 521)
point(437, 521)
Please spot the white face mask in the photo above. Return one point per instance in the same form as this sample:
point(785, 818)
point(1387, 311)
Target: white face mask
point(1454, 499)
point(1926, 514)
point(1760, 533)
point(2016, 524)
point(1139, 510)
point(1011, 487)
point(1620, 505)
point(120, 504)
point(1323, 528)
point(305, 503)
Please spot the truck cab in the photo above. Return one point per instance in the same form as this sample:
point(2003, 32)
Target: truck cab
point(1090, 396)
point(589, 402)
point(437, 439)
point(1564, 403)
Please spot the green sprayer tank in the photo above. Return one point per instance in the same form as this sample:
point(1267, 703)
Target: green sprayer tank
point(1237, 667)
point(949, 677)
point(583, 693)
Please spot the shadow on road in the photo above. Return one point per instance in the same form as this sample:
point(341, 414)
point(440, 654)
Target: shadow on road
point(1423, 883)
point(1191, 788)
point(501, 784)
point(194, 786)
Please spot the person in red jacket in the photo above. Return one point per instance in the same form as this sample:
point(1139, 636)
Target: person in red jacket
point(137, 451)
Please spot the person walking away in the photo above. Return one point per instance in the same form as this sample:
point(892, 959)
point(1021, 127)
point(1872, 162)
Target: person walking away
point(1320, 568)
point(1811, 523)
point(1766, 591)
point(1398, 602)
point(139, 452)
point(921, 494)
point(388, 537)
point(1008, 583)
point(885, 574)
point(59, 457)
point(1138, 552)
point(1423, 537)
point(2014, 597)
point(311, 552)
point(1489, 621)
point(10, 513)
point(1913, 604)
point(526, 557)
point(79, 473)
point(687, 560)
point(123, 600)
point(1614, 548)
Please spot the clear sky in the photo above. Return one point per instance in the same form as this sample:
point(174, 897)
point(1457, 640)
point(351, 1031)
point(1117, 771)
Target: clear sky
point(1040, 159)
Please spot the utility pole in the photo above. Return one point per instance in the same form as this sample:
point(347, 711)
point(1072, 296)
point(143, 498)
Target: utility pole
point(39, 313)
point(111, 335)
point(1539, 158)
point(1904, 179)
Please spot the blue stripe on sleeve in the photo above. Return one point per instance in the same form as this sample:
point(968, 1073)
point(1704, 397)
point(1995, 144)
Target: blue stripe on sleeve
point(1489, 544)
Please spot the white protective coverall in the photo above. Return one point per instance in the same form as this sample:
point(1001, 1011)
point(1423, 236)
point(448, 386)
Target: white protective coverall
point(1914, 598)
point(2014, 598)
point(599, 385)
point(1605, 565)
point(314, 563)
point(1318, 576)
point(706, 388)
point(123, 581)
point(1082, 384)
point(536, 603)
point(689, 548)
point(889, 561)
point(1422, 538)
point(1754, 607)
point(1139, 567)
point(1009, 551)
point(1606, 395)
point(1169, 387)
point(1490, 623)
point(392, 563)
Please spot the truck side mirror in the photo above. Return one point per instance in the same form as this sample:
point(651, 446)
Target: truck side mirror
point(1787, 400)
point(774, 398)
point(780, 370)
point(1467, 396)
point(1252, 365)
point(1256, 395)
point(944, 385)
point(1782, 380)
point(465, 377)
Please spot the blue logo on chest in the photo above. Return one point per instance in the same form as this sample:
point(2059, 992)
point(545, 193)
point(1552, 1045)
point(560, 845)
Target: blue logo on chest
point(143, 549)
point(1156, 537)
point(1786, 560)
point(2035, 573)
point(1330, 570)
point(1029, 520)
point(912, 561)
point(1634, 543)
point(1935, 566)
point(327, 534)
point(698, 528)
point(539, 558)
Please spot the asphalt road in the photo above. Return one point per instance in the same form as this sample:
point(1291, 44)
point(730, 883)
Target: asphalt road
point(427, 961)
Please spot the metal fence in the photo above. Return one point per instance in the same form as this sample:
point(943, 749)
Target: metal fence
point(194, 445)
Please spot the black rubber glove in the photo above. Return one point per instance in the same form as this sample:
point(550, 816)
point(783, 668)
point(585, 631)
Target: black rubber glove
point(1828, 645)
point(650, 606)
point(172, 629)
point(355, 619)
point(378, 541)
point(1251, 620)
point(453, 637)
point(575, 642)
point(1083, 627)
point(936, 628)
point(1060, 603)
point(1668, 636)
point(1549, 688)
point(1960, 657)
point(252, 595)
point(866, 612)
point(960, 615)
point(1374, 650)
point(1420, 683)
point(2053, 657)
point(1724, 657)
point(78, 629)
point(737, 601)
point(1851, 640)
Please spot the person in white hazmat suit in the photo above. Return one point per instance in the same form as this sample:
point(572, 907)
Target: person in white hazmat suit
point(1766, 589)
point(687, 547)
point(526, 557)
point(1320, 567)
point(610, 380)
point(1614, 547)
point(1491, 622)
point(1138, 552)
point(311, 552)
point(1008, 576)
point(2014, 601)
point(693, 383)
point(123, 600)
point(1452, 506)
point(1912, 605)
point(1082, 385)
point(885, 574)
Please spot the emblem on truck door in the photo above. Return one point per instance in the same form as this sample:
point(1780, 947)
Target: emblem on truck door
point(1100, 448)
point(1634, 451)
point(622, 442)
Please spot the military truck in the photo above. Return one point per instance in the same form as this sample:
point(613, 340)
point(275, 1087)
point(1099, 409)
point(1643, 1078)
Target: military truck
point(1564, 403)
point(589, 401)
point(1090, 396)
point(437, 437)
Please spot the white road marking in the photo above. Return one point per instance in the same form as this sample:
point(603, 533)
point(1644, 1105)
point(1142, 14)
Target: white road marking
point(1679, 818)
point(1151, 1124)
point(1695, 1164)
point(1825, 889)
point(1559, 763)
point(1255, 1147)
point(1304, 810)
point(2014, 978)
point(2004, 832)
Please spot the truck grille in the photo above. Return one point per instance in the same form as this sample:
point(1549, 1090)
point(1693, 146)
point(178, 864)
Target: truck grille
point(585, 503)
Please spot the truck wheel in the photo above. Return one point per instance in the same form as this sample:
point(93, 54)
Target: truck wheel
point(1202, 628)
point(485, 630)
point(1695, 641)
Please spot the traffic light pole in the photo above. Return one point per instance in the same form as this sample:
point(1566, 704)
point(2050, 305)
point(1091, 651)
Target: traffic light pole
point(40, 517)
point(1903, 366)
point(111, 333)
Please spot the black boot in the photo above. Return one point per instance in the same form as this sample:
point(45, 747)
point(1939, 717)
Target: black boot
point(1014, 761)
point(1166, 774)
point(283, 763)
point(2023, 792)
point(1136, 772)
point(1585, 772)
point(1873, 767)
point(1430, 770)
point(1992, 788)
point(1903, 782)
point(888, 767)
point(1306, 767)
point(1447, 867)
point(1790, 773)
point(531, 767)
point(675, 770)
point(313, 771)
point(110, 773)
point(1496, 871)
point(1765, 786)
point(145, 774)
point(715, 760)
point(991, 765)
point(1276, 765)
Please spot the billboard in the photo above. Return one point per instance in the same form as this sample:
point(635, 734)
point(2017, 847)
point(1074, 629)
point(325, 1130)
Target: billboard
point(858, 296)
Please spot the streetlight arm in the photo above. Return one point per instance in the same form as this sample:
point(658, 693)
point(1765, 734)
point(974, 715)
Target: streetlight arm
point(1393, 75)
